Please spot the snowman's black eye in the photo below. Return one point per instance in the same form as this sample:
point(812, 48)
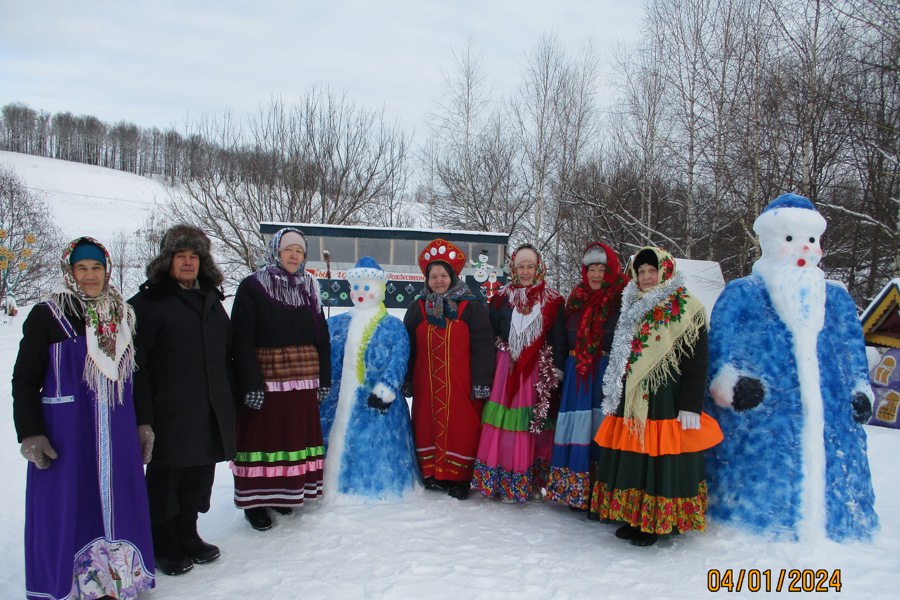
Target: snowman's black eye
point(789, 238)
point(812, 240)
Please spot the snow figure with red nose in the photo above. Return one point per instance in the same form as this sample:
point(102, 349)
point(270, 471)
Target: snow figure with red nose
point(789, 387)
point(369, 450)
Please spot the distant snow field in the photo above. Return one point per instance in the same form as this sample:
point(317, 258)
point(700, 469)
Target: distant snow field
point(428, 545)
point(88, 200)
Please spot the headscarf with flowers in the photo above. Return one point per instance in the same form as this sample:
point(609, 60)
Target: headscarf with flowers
point(291, 290)
point(528, 332)
point(655, 330)
point(596, 306)
point(108, 324)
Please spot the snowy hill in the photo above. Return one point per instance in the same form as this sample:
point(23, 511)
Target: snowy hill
point(87, 200)
point(429, 545)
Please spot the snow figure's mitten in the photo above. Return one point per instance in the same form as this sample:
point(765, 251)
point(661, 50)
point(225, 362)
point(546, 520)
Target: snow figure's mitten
point(407, 390)
point(323, 391)
point(862, 408)
point(378, 404)
point(748, 393)
point(255, 399)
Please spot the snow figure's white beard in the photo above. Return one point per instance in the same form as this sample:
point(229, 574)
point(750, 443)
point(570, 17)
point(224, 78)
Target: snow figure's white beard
point(798, 296)
point(797, 293)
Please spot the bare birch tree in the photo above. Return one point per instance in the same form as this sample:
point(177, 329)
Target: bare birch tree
point(323, 160)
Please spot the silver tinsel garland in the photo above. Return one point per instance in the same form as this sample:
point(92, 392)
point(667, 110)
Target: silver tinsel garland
point(546, 383)
point(633, 312)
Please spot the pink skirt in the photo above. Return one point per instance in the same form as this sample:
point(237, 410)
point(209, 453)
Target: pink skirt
point(511, 462)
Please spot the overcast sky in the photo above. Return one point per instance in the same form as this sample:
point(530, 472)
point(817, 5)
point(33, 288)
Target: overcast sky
point(158, 63)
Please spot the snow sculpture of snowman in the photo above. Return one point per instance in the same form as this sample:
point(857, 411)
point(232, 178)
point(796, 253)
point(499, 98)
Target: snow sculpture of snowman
point(481, 267)
point(790, 389)
point(369, 448)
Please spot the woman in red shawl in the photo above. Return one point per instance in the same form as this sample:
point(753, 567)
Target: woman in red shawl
point(591, 316)
point(517, 427)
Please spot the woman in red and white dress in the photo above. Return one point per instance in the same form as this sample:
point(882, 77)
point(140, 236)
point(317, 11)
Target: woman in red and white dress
point(518, 419)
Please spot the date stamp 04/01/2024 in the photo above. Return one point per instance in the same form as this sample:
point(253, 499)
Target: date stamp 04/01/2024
point(769, 580)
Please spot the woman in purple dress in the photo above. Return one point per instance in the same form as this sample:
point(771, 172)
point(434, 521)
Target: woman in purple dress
point(87, 524)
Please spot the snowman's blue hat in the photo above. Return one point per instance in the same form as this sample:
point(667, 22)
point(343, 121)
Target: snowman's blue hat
point(790, 201)
point(789, 210)
point(367, 268)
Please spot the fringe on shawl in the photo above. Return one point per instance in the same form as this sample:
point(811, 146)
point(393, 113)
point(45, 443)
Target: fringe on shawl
point(519, 299)
point(519, 340)
point(633, 311)
point(635, 414)
point(101, 385)
point(278, 286)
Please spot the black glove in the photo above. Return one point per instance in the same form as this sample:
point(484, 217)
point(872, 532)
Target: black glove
point(407, 390)
point(481, 392)
point(323, 391)
point(255, 399)
point(862, 408)
point(748, 393)
point(378, 404)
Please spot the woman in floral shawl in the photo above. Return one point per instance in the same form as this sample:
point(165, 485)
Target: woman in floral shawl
point(451, 366)
point(282, 357)
point(651, 474)
point(87, 521)
point(591, 316)
point(517, 422)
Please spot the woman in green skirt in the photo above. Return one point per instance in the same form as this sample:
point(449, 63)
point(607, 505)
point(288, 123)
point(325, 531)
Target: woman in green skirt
point(651, 475)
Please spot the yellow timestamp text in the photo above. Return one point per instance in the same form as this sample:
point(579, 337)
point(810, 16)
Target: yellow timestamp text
point(768, 580)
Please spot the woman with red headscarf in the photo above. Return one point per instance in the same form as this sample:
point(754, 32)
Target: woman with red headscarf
point(517, 424)
point(591, 316)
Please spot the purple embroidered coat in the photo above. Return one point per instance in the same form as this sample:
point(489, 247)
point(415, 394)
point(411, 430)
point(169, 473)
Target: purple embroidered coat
point(87, 526)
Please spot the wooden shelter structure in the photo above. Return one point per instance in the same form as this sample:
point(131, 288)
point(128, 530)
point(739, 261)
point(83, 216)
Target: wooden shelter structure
point(881, 320)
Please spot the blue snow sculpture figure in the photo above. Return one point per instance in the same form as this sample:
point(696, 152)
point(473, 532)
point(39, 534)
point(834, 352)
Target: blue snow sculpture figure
point(789, 386)
point(369, 448)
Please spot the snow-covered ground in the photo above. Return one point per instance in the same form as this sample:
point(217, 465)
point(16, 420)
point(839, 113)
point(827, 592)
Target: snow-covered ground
point(428, 545)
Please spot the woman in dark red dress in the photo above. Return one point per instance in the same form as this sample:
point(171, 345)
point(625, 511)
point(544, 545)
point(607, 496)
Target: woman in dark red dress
point(282, 357)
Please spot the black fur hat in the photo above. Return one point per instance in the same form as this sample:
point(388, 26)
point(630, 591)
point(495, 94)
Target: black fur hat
point(177, 239)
